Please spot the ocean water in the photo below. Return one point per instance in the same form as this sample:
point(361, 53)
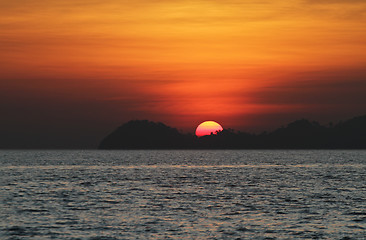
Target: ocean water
point(183, 194)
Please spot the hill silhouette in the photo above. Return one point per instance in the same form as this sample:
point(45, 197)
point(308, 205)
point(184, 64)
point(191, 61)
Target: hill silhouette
point(300, 134)
point(144, 134)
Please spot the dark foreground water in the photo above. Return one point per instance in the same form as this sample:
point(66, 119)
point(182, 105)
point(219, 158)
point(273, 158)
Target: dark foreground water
point(183, 194)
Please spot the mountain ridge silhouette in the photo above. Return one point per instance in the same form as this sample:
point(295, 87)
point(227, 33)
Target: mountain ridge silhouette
point(299, 134)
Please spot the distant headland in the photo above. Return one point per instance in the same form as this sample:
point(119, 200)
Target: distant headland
point(300, 134)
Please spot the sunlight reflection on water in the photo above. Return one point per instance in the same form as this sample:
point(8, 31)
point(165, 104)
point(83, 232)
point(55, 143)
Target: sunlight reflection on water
point(182, 194)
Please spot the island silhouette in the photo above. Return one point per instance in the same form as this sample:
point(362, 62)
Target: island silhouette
point(300, 134)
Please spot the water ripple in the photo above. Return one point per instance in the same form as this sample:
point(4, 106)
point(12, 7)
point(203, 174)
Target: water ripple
point(198, 195)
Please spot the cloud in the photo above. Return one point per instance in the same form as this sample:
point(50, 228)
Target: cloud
point(339, 88)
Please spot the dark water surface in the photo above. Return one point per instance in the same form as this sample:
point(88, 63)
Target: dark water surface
point(183, 194)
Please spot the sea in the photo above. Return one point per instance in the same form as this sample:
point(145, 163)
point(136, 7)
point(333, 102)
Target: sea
point(183, 194)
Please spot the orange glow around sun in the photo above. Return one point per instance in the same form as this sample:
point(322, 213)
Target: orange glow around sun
point(208, 127)
point(176, 62)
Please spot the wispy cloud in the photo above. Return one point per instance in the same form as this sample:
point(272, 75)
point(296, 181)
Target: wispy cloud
point(184, 58)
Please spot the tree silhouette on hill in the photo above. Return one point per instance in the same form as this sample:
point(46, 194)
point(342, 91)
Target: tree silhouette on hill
point(145, 134)
point(300, 134)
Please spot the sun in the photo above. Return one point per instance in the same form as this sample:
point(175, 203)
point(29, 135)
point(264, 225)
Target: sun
point(208, 128)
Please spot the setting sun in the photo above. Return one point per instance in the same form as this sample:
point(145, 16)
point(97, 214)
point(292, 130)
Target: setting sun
point(207, 128)
point(71, 70)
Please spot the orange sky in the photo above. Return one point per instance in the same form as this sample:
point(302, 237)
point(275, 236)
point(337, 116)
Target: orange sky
point(249, 65)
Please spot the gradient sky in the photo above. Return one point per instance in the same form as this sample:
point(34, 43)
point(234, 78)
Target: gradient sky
point(72, 71)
